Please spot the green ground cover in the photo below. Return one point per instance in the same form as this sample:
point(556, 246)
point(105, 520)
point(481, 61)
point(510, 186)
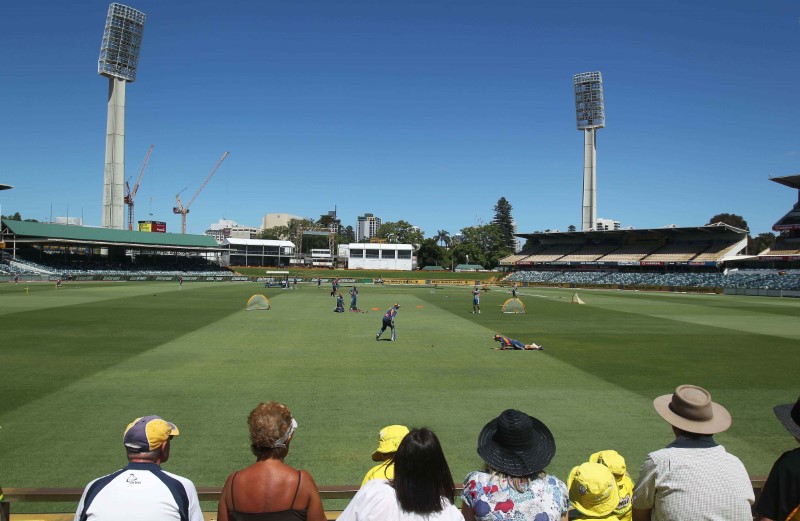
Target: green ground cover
point(78, 363)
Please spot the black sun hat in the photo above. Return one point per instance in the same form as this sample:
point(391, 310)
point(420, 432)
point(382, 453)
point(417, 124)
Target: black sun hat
point(516, 444)
point(789, 416)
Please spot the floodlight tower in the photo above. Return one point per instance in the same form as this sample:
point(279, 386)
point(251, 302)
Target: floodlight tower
point(119, 56)
point(590, 115)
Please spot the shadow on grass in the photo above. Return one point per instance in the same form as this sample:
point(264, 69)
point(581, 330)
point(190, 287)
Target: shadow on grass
point(46, 350)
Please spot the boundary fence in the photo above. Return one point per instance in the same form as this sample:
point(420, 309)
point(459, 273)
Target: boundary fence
point(73, 495)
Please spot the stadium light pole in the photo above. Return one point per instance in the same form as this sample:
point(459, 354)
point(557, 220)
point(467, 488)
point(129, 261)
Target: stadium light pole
point(590, 116)
point(119, 57)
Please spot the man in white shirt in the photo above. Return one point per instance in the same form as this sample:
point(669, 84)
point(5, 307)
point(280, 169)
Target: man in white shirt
point(693, 477)
point(142, 491)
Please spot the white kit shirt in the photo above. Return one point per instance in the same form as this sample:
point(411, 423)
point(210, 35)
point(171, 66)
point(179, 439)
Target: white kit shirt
point(139, 492)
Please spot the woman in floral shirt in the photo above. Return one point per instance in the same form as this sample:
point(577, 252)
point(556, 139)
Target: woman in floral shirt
point(514, 486)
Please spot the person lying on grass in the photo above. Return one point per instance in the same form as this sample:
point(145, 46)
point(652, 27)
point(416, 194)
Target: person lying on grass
point(511, 344)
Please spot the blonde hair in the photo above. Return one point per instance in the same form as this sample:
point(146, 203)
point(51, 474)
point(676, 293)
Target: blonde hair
point(518, 483)
point(269, 422)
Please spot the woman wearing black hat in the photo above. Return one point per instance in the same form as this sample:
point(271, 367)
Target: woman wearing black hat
point(516, 449)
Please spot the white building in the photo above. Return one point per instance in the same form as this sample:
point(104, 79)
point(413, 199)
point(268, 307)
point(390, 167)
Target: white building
point(367, 226)
point(71, 221)
point(369, 256)
point(257, 252)
point(271, 220)
point(227, 228)
point(607, 224)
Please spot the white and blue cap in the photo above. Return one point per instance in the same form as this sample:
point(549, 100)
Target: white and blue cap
point(148, 433)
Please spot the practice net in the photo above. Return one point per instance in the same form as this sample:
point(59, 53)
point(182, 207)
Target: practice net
point(514, 305)
point(257, 302)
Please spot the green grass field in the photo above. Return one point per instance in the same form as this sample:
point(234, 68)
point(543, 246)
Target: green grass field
point(78, 363)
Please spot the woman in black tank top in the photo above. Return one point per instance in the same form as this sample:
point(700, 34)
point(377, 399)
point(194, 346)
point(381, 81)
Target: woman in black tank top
point(270, 490)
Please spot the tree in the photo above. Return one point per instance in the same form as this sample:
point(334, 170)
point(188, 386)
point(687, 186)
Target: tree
point(442, 237)
point(731, 219)
point(347, 235)
point(431, 254)
point(15, 217)
point(571, 228)
point(505, 223)
point(762, 242)
point(278, 233)
point(401, 232)
point(484, 245)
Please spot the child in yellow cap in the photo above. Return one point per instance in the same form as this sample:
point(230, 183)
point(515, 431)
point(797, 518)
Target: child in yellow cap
point(388, 442)
point(593, 492)
point(616, 464)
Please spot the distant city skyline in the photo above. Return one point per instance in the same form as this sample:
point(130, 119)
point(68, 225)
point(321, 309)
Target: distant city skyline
point(427, 112)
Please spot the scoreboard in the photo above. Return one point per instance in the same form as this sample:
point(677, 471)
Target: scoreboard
point(153, 226)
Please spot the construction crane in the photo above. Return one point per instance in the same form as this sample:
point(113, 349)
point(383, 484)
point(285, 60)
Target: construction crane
point(183, 210)
point(130, 195)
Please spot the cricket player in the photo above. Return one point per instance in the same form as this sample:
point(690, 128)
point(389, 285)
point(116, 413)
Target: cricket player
point(509, 344)
point(388, 321)
point(476, 299)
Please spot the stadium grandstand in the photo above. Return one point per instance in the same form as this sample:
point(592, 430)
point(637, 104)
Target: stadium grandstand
point(701, 248)
point(706, 258)
point(787, 245)
point(47, 251)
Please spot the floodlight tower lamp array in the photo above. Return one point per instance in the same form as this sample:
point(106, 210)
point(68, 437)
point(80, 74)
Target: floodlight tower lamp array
point(119, 59)
point(590, 116)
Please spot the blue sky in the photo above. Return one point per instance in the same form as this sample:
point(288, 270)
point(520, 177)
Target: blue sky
point(427, 111)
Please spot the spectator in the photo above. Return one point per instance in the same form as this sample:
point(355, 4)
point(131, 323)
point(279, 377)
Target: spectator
point(693, 477)
point(389, 440)
point(514, 486)
point(142, 490)
point(270, 489)
point(422, 488)
point(593, 492)
point(616, 464)
point(780, 498)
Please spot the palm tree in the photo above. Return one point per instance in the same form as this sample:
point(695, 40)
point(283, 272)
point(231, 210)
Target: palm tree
point(442, 236)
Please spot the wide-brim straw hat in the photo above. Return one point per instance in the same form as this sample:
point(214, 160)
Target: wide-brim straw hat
point(789, 416)
point(516, 444)
point(690, 409)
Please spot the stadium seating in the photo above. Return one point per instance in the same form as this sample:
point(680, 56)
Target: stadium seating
point(631, 253)
point(674, 252)
point(589, 253)
point(744, 279)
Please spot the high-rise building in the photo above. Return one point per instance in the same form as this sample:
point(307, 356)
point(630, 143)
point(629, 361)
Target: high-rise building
point(367, 227)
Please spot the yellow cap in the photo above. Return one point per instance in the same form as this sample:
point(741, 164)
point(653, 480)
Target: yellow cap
point(611, 459)
point(593, 489)
point(389, 441)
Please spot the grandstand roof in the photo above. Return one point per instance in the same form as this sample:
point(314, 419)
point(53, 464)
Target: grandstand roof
point(792, 181)
point(59, 233)
point(711, 229)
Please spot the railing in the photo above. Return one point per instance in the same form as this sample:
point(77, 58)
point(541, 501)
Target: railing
point(55, 495)
point(73, 495)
